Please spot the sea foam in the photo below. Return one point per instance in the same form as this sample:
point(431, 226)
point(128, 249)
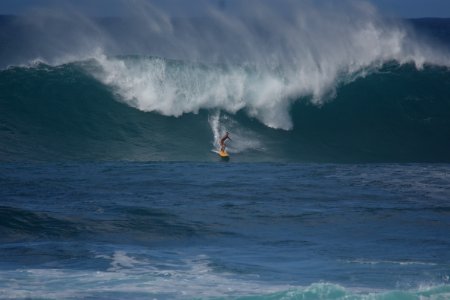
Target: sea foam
point(264, 61)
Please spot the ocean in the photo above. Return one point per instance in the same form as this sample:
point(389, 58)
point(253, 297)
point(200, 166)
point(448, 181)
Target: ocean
point(338, 182)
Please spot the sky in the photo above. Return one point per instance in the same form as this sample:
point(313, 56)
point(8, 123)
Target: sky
point(400, 8)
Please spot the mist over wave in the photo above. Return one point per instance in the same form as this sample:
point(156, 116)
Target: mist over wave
point(264, 62)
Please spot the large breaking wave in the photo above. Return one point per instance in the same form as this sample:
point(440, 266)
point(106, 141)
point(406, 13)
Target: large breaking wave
point(52, 113)
point(346, 84)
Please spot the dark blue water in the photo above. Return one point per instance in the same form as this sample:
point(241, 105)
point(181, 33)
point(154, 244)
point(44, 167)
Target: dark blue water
point(224, 230)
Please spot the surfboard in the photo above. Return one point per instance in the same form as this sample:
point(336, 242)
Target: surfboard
point(224, 155)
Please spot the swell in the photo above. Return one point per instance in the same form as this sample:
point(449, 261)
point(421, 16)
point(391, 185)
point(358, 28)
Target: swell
point(146, 225)
point(397, 114)
point(17, 224)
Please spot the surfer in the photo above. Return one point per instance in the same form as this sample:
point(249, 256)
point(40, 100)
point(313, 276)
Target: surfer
point(222, 141)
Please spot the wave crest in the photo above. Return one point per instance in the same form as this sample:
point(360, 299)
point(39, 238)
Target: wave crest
point(265, 62)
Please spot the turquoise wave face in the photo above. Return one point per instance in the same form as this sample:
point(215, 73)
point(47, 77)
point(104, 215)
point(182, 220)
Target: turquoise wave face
point(135, 289)
point(330, 291)
point(395, 114)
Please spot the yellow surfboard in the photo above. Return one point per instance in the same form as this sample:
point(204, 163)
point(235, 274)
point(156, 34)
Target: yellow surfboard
point(224, 154)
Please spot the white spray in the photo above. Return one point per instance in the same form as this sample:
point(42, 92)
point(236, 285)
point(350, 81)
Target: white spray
point(262, 62)
point(242, 139)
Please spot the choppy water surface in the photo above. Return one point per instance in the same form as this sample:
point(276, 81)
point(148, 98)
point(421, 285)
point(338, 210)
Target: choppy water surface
point(206, 230)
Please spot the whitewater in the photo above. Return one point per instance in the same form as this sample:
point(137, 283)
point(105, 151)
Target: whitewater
point(338, 183)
